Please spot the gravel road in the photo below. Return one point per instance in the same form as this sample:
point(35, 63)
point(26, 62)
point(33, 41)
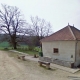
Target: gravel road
point(13, 69)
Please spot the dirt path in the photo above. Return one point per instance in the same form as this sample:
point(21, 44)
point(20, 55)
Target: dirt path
point(10, 69)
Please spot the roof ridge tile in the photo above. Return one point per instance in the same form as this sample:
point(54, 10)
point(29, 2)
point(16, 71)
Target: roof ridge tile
point(72, 32)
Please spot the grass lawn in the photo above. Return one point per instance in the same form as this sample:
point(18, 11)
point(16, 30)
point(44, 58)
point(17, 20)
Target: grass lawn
point(4, 45)
point(22, 48)
point(30, 52)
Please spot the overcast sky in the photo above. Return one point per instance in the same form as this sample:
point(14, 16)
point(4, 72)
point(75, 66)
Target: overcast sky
point(58, 12)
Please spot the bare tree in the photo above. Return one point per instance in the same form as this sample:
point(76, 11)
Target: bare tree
point(40, 28)
point(11, 22)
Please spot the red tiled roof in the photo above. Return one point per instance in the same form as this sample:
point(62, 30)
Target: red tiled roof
point(67, 33)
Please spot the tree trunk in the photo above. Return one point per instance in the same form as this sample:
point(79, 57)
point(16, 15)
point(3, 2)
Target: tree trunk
point(15, 45)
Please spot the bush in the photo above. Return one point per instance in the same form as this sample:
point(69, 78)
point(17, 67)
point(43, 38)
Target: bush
point(31, 48)
point(6, 49)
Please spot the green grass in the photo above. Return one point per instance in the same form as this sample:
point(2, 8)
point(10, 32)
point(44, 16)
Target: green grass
point(4, 44)
point(29, 50)
point(22, 48)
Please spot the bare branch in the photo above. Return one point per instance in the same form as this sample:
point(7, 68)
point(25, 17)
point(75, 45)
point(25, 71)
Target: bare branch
point(11, 22)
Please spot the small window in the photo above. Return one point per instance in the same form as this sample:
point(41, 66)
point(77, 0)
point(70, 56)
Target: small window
point(55, 50)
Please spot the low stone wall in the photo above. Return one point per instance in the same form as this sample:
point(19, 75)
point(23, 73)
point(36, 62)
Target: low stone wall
point(56, 61)
point(63, 63)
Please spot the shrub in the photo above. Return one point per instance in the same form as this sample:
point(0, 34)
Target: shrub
point(31, 48)
point(6, 49)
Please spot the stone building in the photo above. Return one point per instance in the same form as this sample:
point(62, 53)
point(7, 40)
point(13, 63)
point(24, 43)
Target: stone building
point(63, 47)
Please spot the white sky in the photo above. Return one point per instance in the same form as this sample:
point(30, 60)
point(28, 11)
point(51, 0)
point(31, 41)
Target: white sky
point(58, 12)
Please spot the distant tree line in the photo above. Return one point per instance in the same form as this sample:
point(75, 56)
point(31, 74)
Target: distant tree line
point(16, 29)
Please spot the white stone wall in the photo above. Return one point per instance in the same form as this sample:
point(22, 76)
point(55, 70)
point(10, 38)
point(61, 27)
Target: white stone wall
point(77, 53)
point(66, 49)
